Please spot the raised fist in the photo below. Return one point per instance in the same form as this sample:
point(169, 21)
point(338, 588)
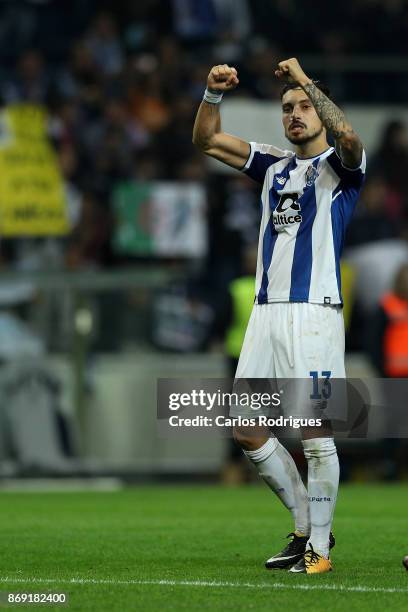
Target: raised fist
point(291, 71)
point(222, 78)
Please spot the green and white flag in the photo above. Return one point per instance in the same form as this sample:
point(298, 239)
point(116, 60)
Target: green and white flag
point(160, 218)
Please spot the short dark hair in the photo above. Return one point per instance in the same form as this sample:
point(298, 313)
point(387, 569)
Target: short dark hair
point(318, 84)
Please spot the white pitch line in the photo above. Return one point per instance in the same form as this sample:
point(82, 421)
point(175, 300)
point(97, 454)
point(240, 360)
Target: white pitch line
point(204, 583)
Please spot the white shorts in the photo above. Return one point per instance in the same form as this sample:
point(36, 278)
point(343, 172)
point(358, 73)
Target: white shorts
point(299, 341)
point(292, 339)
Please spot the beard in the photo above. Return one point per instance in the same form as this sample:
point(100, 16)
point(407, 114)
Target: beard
point(305, 138)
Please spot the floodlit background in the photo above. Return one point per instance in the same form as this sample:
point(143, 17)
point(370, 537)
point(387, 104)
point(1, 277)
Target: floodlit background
point(120, 243)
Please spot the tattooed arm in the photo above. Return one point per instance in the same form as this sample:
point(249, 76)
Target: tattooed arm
point(207, 133)
point(348, 144)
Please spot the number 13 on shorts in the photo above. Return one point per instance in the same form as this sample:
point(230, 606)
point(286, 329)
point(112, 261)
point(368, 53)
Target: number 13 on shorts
point(326, 384)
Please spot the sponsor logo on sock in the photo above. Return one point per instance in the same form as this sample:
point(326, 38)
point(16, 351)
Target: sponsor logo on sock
point(320, 499)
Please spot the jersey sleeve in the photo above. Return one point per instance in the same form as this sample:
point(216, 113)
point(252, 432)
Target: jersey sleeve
point(261, 157)
point(345, 195)
point(349, 177)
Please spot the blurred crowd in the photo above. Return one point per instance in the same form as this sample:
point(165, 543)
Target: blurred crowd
point(122, 80)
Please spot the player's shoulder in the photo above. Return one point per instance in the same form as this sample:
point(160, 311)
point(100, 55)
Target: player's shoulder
point(334, 160)
point(262, 155)
point(269, 149)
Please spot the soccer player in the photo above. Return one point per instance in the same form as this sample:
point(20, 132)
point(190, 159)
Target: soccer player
point(296, 328)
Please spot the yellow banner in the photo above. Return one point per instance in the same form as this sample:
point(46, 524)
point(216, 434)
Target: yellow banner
point(32, 199)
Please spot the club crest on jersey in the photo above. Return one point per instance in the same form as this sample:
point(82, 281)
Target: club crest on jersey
point(287, 212)
point(311, 175)
point(281, 180)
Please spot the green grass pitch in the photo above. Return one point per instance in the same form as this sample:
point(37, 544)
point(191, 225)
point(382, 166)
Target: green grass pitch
point(109, 551)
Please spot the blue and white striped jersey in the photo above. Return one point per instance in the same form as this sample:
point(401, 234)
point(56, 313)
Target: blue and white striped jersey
point(306, 206)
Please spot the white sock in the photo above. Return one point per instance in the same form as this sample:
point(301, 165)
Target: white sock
point(322, 487)
point(280, 473)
